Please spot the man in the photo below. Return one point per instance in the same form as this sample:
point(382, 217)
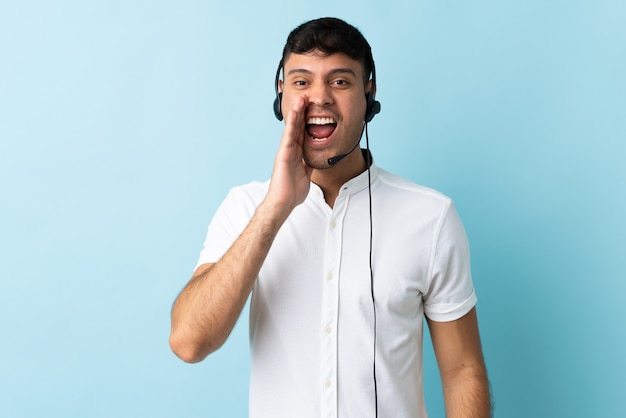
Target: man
point(342, 259)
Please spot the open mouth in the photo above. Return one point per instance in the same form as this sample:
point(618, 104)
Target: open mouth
point(320, 128)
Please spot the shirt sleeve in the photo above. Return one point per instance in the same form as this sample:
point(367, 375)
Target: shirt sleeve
point(229, 221)
point(451, 292)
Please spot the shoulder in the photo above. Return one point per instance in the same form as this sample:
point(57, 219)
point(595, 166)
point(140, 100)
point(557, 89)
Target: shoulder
point(399, 187)
point(254, 191)
point(242, 200)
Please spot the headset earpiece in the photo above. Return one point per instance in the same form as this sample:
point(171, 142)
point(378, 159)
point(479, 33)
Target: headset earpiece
point(279, 95)
point(277, 101)
point(373, 107)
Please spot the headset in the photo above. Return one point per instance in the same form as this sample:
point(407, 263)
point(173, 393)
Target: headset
point(373, 105)
point(372, 109)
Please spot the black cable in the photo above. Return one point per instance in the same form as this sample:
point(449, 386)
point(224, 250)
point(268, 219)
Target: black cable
point(369, 189)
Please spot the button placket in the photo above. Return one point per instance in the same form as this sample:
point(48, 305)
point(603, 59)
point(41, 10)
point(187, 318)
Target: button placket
point(330, 310)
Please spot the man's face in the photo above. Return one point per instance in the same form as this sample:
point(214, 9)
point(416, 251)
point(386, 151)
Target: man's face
point(334, 86)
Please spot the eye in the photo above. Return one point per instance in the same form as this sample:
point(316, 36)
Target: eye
point(299, 83)
point(341, 82)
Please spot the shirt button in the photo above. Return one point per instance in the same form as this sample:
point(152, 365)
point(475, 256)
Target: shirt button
point(328, 330)
point(333, 224)
point(329, 276)
point(328, 383)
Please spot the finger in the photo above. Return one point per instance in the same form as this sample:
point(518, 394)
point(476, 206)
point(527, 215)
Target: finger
point(295, 121)
point(298, 110)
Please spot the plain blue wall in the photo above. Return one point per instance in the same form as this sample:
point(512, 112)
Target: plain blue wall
point(124, 123)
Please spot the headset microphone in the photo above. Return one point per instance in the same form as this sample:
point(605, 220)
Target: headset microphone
point(334, 160)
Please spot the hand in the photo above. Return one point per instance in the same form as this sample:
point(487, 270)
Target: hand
point(291, 178)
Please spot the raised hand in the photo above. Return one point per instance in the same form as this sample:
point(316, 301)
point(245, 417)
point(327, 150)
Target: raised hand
point(291, 176)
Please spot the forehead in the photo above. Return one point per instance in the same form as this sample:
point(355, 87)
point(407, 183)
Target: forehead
point(318, 63)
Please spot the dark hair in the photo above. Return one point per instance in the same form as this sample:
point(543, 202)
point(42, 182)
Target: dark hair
point(330, 35)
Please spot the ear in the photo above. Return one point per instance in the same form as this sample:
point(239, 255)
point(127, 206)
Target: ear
point(280, 86)
point(369, 87)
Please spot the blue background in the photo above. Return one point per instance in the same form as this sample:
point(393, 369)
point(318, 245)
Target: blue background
point(124, 123)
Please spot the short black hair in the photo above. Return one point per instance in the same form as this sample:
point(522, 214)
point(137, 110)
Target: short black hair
point(330, 35)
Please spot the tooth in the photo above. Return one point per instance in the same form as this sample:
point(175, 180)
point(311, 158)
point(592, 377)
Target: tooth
point(320, 121)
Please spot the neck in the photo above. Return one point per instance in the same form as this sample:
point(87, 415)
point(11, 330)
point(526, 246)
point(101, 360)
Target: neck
point(331, 179)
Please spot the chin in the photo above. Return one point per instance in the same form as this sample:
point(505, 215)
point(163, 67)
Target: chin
point(318, 163)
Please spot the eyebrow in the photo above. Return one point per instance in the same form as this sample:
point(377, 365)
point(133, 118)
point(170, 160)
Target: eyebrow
point(331, 72)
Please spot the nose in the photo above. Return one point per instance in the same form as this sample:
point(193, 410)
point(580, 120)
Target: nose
point(320, 95)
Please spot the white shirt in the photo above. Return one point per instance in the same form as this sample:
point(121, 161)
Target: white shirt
point(311, 313)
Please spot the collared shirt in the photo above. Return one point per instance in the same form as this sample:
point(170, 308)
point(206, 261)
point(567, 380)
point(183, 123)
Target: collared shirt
point(313, 341)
